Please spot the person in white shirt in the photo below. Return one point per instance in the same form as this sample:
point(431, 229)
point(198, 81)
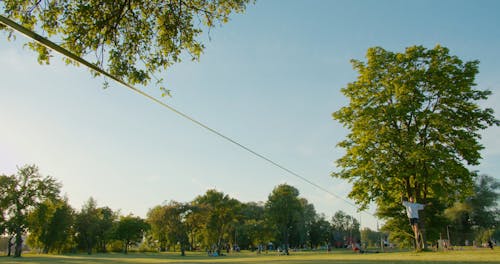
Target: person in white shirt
point(412, 209)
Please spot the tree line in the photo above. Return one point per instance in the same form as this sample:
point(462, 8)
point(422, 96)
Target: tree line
point(33, 209)
point(33, 212)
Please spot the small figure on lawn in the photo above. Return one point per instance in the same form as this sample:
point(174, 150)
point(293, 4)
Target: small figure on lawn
point(412, 209)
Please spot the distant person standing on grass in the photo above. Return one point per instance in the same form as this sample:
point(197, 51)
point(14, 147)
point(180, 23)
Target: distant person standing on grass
point(412, 209)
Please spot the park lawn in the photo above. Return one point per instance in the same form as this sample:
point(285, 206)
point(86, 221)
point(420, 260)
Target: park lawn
point(474, 256)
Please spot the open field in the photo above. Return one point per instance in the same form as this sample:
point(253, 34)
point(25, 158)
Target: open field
point(474, 256)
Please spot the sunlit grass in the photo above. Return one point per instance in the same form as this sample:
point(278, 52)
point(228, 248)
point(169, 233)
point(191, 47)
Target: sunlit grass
point(475, 256)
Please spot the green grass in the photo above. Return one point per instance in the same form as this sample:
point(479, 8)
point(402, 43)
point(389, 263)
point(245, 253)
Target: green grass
point(474, 256)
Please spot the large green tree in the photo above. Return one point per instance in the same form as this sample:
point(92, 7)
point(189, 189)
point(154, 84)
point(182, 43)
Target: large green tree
point(21, 194)
point(414, 123)
point(133, 39)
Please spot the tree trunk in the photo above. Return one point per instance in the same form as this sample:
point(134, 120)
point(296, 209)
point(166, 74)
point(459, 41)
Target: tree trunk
point(103, 248)
point(163, 247)
point(9, 246)
point(286, 243)
point(19, 243)
point(89, 247)
point(125, 246)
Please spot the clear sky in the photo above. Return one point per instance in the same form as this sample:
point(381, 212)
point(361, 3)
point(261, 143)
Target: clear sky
point(269, 79)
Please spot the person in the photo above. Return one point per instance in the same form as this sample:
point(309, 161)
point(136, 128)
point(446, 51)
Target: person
point(356, 247)
point(412, 209)
point(490, 244)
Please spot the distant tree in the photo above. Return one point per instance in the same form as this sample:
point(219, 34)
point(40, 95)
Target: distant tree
point(87, 225)
point(283, 210)
point(175, 224)
point(21, 194)
point(130, 230)
point(253, 231)
point(94, 226)
point(194, 224)
point(5, 182)
point(370, 237)
point(133, 39)
point(50, 225)
point(106, 219)
point(477, 214)
point(345, 228)
point(6, 227)
point(300, 233)
point(484, 202)
point(157, 220)
point(219, 213)
point(319, 232)
point(414, 122)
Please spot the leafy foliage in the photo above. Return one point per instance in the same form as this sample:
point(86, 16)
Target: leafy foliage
point(132, 38)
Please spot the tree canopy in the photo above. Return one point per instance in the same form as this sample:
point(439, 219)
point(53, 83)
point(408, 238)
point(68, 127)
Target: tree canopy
point(414, 122)
point(132, 39)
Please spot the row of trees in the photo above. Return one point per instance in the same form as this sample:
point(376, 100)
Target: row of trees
point(31, 205)
point(132, 40)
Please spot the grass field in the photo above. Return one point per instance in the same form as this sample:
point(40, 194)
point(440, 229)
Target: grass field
point(475, 256)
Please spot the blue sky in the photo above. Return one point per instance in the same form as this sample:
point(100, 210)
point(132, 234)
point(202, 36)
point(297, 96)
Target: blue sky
point(269, 79)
